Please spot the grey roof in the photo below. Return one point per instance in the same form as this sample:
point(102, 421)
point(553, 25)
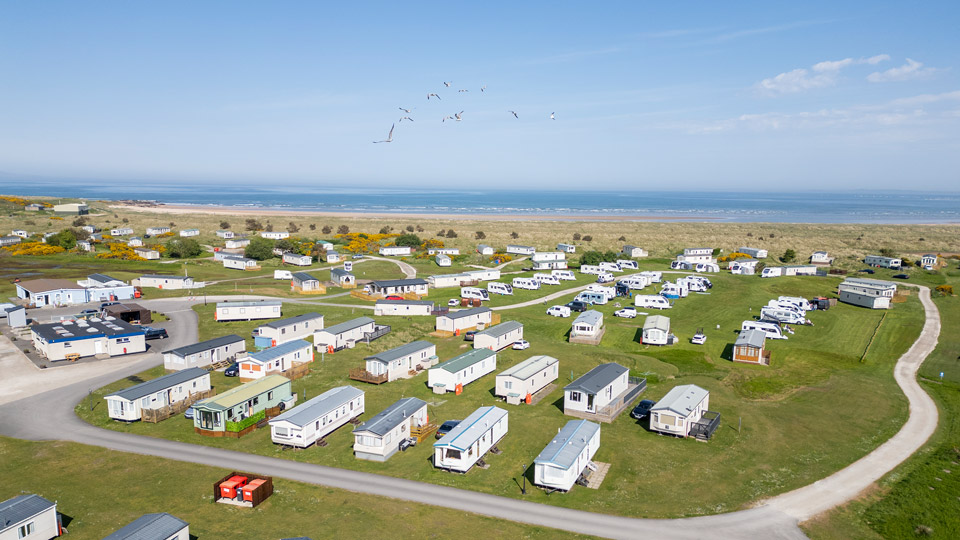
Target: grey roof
point(406, 302)
point(392, 416)
point(400, 352)
point(591, 317)
point(529, 367)
point(869, 282)
point(569, 443)
point(309, 411)
point(501, 329)
point(347, 326)
point(681, 399)
point(149, 527)
point(294, 320)
point(466, 313)
point(303, 276)
point(399, 282)
point(250, 304)
point(597, 378)
point(272, 353)
point(465, 360)
point(339, 272)
point(66, 331)
point(160, 383)
point(158, 276)
point(207, 345)
point(471, 428)
point(101, 278)
point(21, 508)
point(753, 338)
point(658, 322)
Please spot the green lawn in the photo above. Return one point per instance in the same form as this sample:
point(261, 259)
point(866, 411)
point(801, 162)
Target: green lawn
point(101, 490)
point(816, 409)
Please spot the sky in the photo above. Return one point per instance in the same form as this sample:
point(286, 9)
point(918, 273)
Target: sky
point(645, 96)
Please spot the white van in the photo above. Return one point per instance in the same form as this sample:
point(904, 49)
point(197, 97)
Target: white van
point(559, 311)
point(772, 271)
point(781, 315)
point(654, 275)
point(654, 301)
point(499, 288)
point(591, 297)
point(610, 267)
point(547, 279)
point(625, 264)
point(590, 269)
point(282, 274)
point(771, 329)
point(474, 293)
point(566, 275)
point(610, 292)
point(526, 283)
point(604, 277)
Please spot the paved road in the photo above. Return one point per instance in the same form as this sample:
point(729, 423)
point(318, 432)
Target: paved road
point(50, 416)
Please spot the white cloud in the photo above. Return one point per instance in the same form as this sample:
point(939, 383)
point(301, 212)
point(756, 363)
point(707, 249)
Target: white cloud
point(911, 70)
point(820, 75)
point(874, 60)
point(833, 65)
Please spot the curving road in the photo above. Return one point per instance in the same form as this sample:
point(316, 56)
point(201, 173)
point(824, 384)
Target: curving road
point(49, 415)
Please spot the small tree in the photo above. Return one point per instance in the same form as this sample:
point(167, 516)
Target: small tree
point(386, 229)
point(343, 229)
point(269, 227)
point(292, 228)
point(610, 256)
point(451, 234)
point(480, 235)
point(576, 236)
point(945, 290)
point(622, 239)
point(442, 233)
point(419, 228)
point(771, 235)
point(887, 252)
point(125, 220)
point(588, 238)
point(179, 248)
point(80, 222)
point(514, 235)
point(66, 239)
point(326, 229)
point(313, 226)
point(410, 228)
point(749, 235)
point(259, 248)
point(788, 256)
point(172, 224)
point(591, 257)
point(224, 225)
point(410, 240)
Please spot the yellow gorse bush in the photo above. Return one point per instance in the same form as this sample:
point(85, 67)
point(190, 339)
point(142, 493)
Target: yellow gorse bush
point(33, 248)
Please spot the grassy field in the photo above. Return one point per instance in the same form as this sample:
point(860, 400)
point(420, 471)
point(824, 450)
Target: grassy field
point(817, 408)
point(919, 498)
point(100, 491)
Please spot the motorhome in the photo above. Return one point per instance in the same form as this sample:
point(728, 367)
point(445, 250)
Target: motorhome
point(635, 282)
point(591, 297)
point(781, 315)
point(800, 302)
point(566, 275)
point(496, 287)
point(655, 275)
point(590, 269)
point(609, 291)
point(473, 293)
point(675, 290)
point(604, 277)
point(693, 284)
point(787, 305)
point(526, 283)
point(627, 265)
point(772, 330)
point(547, 279)
point(654, 301)
point(610, 267)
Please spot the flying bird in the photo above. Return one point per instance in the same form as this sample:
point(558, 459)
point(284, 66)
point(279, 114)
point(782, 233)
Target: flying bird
point(458, 116)
point(406, 110)
point(445, 118)
point(434, 95)
point(553, 116)
point(483, 88)
point(514, 114)
point(462, 90)
point(447, 84)
point(405, 118)
point(389, 136)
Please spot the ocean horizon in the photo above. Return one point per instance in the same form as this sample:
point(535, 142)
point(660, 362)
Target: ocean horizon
point(877, 207)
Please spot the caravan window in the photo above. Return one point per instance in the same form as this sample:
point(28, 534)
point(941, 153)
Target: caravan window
point(270, 395)
point(574, 396)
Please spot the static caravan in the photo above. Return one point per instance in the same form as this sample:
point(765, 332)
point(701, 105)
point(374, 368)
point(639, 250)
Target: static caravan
point(443, 260)
point(627, 265)
point(596, 389)
point(225, 234)
point(655, 275)
point(756, 253)
point(871, 293)
point(313, 420)
point(499, 288)
point(443, 251)
point(498, 337)
point(282, 274)
point(236, 243)
point(549, 260)
point(546, 279)
point(398, 286)
point(379, 438)
point(567, 248)
point(590, 269)
point(484, 249)
point(395, 251)
point(211, 415)
point(679, 410)
point(772, 330)
point(127, 404)
point(883, 262)
point(487, 274)
point(331, 256)
point(749, 348)
point(474, 293)
point(121, 231)
point(276, 333)
point(345, 334)
point(153, 231)
point(695, 255)
point(164, 282)
point(147, 253)
point(240, 263)
point(296, 259)
point(514, 249)
point(588, 324)
point(29, 516)
point(634, 251)
point(444, 281)
point(160, 526)
point(94, 337)
point(821, 257)
point(464, 319)
point(101, 287)
point(397, 363)
point(804, 270)
point(186, 233)
point(204, 353)
point(303, 282)
point(529, 284)
point(567, 455)
point(656, 330)
point(248, 311)
point(454, 374)
point(403, 307)
point(9, 240)
point(275, 360)
point(566, 275)
point(343, 278)
point(520, 382)
point(275, 235)
point(135, 241)
point(464, 445)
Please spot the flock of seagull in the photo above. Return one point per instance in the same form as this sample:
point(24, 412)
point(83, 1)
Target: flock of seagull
point(457, 117)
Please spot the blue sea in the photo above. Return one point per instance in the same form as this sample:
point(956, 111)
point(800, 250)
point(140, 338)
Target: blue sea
point(782, 207)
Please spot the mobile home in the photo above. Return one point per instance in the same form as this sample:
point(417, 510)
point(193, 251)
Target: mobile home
point(596, 389)
point(313, 420)
point(498, 337)
point(343, 278)
point(395, 251)
point(240, 263)
point(275, 360)
point(883, 262)
point(398, 286)
point(164, 282)
point(443, 251)
point(454, 374)
point(302, 282)
point(756, 253)
point(379, 438)
point(159, 526)
point(514, 249)
point(204, 353)
point(279, 332)
point(549, 260)
point(567, 455)
point(520, 382)
point(821, 257)
point(211, 415)
point(656, 330)
point(236, 243)
point(464, 445)
point(567, 248)
point(802, 270)
point(403, 307)
point(248, 311)
point(345, 334)
point(29, 516)
point(487, 274)
point(464, 319)
point(750, 348)
point(127, 404)
point(484, 249)
point(633, 251)
point(871, 293)
point(679, 410)
point(296, 259)
point(225, 234)
point(186, 233)
point(275, 235)
point(443, 260)
point(399, 362)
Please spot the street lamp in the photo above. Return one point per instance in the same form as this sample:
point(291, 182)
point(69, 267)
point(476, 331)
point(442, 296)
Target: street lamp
point(523, 473)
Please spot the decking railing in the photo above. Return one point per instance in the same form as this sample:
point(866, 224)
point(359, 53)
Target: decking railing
point(362, 375)
point(421, 433)
point(703, 429)
point(378, 332)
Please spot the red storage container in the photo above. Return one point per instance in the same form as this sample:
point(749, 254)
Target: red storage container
point(229, 488)
point(249, 489)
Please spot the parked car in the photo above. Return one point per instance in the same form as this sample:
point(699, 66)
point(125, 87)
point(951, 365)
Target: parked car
point(901, 276)
point(88, 313)
point(188, 414)
point(358, 256)
point(394, 297)
point(866, 271)
point(577, 306)
point(642, 409)
point(628, 312)
point(699, 338)
point(558, 311)
point(453, 302)
point(446, 427)
point(154, 333)
point(469, 335)
point(232, 370)
point(521, 345)
point(105, 304)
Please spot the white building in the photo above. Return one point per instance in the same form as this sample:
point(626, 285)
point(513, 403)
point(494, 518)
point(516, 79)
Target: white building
point(484, 249)
point(464, 445)
point(147, 253)
point(515, 249)
point(444, 281)
point(679, 410)
point(236, 243)
point(332, 256)
point(443, 260)
point(21, 233)
point(756, 253)
point(225, 234)
point(87, 338)
point(101, 287)
point(127, 404)
point(186, 233)
point(929, 261)
point(388, 287)
point(342, 277)
point(397, 363)
point(313, 420)
point(871, 293)
point(275, 360)
point(883, 262)
point(567, 248)
point(296, 259)
point(77, 209)
point(275, 235)
point(135, 241)
point(487, 274)
point(9, 240)
point(303, 282)
point(29, 516)
point(248, 311)
point(153, 231)
point(162, 526)
point(696, 255)
point(51, 292)
point(240, 263)
point(588, 324)
point(164, 282)
point(454, 374)
point(395, 251)
point(596, 389)
point(498, 337)
point(205, 353)
point(549, 260)
point(634, 252)
point(403, 307)
point(345, 334)
point(121, 231)
point(520, 382)
point(443, 251)
point(567, 455)
point(744, 267)
point(289, 329)
point(379, 438)
point(464, 319)
point(656, 330)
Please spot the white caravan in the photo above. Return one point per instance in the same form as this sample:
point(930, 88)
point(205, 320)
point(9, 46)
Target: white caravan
point(772, 271)
point(674, 290)
point(654, 301)
point(610, 292)
point(604, 277)
point(499, 288)
point(590, 269)
point(282, 274)
point(800, 302)
point(781, 315)
point(610, 267)
point(591, 297)
point(655, 275)
point(566, 275)
point(526, 283)
point(625, 264)
point(473, 293)
point(693, 284)
point(707, 267)
point(771, 329)
point(547, 279)
point(780, 304)
point(635, 282)
point(681, 265)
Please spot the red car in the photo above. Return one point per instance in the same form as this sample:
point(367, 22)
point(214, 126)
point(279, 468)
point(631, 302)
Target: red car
point(394, 297)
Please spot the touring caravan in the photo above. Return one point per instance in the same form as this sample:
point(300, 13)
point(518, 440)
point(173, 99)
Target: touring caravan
point(627, 265)
point(526, 283)
point(706, 267)
point(781, 304)
point(282, 274)
point(496, 287)
point(591, 297)
point(655, 275)
point(781, 315)
point(604, 277)
point(635, 282)
point(566, 275)
point(771, 329)
point(801, 303)
point(681, 265)
point(772, 271)
point(674, 290)
point(590, 269)
point(609, 291)
point(547, 279)
point(654, 301)
point(473, 293)
point(610, 267)
point(693, 284)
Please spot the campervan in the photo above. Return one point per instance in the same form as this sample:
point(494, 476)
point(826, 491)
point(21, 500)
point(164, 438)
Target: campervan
point(627, 265)
point(693, 284)
point(654, 301)
point(547, 279)
point(559, 311)
point(610, 267)
point(282, 274)
point(499, 288)
point(654, 275)
point(780, 304)
point(590, 269)
point(604, 277)
point(771, 329)
point(801, 303)
point(526, 283)
point(781, 315)
point(566, 275)
point(591, 297)
point(707, 267)
point(609, 291)
point(473, 293)
point(674, 290)
point(772, 271)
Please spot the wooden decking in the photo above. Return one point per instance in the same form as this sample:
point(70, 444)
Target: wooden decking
point(362, 375)
point(595, 478)
point(422, 433)
point(588, 340)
